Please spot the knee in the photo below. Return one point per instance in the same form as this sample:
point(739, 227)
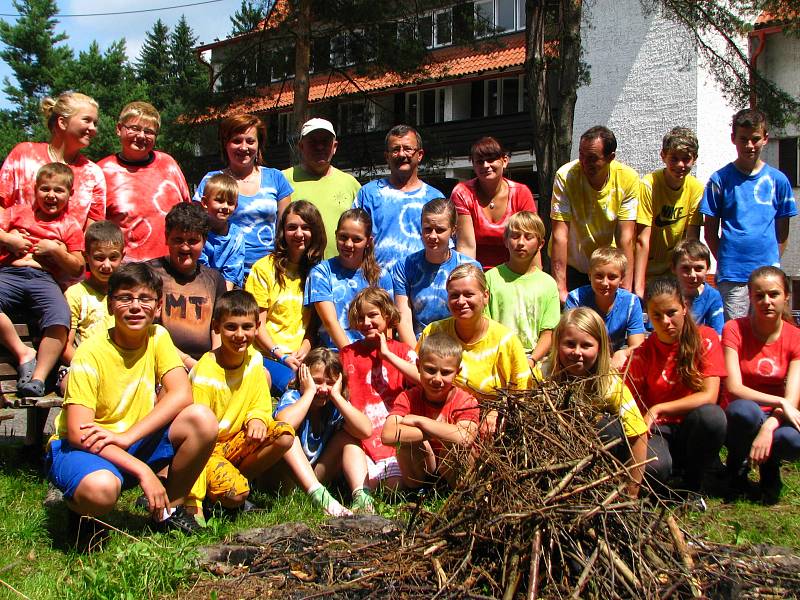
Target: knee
point(97, 493)
point(201, 421)
point(284, 442)
point(661, 468)
point(58, 332)
point(710, 419)
point(743, 412)
point(786, 443)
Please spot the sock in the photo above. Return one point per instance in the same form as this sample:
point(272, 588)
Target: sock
point(363, 501)
point(321, 498)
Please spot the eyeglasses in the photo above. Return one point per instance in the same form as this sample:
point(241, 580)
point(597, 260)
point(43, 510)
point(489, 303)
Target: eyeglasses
point(404, 150)
point(127, 300)
point(137, 129)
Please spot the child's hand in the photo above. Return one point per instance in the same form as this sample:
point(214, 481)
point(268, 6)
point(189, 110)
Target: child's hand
point(292, 362)
point(618, 360)
point(157, 499)
point(17, 243)
point(336, 390)
point(47, 248)
point(383, 347)
point(256, 430)
point(95, 438)
point(307, 384)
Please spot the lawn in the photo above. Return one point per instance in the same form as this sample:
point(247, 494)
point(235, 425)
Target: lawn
point(35, 561)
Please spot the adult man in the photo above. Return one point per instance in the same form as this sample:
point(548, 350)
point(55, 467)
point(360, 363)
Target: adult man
point(395, 202)
point(317, 181)
point(594, 203)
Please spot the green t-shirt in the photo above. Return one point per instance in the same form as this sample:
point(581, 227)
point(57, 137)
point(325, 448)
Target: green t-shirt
point(332, 195)
point(526, 304)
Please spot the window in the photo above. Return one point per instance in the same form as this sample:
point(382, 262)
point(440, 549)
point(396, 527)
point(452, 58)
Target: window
point(499, 16)
point(279, 128)
point(788, 162)
point(425, 107)
point(436, 29)
point(493, 97)
point(356, 117)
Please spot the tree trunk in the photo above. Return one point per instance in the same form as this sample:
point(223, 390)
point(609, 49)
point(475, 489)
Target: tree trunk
point(302, 62)
point(552, 70)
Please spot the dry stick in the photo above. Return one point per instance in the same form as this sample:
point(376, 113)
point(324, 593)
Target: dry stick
point(577, 469)
point(514, 576)
point(15, 590)
point(683, 550)
point(464, 563)
point(587, 570)
point(533, 577)
point(624, 570)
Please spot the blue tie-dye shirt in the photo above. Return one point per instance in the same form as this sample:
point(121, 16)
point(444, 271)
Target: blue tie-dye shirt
point(256, 214)
point(225, 253)
point(313, 442)
point(329, 281)
point(396, 218)
point(424, 284)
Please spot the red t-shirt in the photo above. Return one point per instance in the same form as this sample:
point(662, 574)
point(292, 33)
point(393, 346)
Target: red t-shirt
point(652, 376)
point(139, 196)
point(489, 245)
point(373, 385)
point(18, 178)
point(763, 366)
point(64, 229)
point(460, 406)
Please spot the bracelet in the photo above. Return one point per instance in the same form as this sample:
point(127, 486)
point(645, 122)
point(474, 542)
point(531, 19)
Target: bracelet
point(283, 359)
point(273, 349)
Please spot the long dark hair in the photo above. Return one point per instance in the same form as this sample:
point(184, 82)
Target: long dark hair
point(770, 271)
point(369, 266)
point(313, 254)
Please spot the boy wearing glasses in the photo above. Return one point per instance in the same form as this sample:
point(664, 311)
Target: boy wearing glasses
point(142, 183)
point(114, 431)
point(395, 203)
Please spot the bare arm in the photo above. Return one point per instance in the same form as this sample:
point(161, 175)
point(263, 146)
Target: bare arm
point(782, 233)
point(55, 253)
point(395, 432)
point(626, 231)
point(622, 355)
point(465, 236)
point(711, 229)
point(327, 314)
point(542, 345)
point(405, 329)
point(692, 232)
point(638, 456)
point(558, 259)
point(408, 369)
point(356, 423)
point(640, 260)
point(296, 413)
point(282, 204)
point(461, 433)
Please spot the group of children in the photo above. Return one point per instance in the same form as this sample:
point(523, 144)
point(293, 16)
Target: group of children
point(168, 367)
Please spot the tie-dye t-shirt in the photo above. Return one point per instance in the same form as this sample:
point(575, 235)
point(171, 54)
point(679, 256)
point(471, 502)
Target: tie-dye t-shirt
point(329, 281)
point(396, 218)
point(225, 253)
point(424, 284)
point(139, 197)
point(18, 179)
point(313, 440)
point(257, 215)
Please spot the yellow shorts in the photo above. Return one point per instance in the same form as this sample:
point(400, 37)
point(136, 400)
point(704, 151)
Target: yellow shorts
point(223, 478)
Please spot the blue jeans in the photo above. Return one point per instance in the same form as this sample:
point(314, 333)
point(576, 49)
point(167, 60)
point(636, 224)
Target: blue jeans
point(745, 418)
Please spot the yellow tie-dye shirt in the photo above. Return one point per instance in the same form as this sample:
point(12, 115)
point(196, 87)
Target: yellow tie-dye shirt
point(88, 311)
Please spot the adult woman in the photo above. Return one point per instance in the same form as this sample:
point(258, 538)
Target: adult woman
point(72, 121)
point(762, 354)
point(263, 192)
point(485, 203)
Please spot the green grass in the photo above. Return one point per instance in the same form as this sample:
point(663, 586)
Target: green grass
point(35, 559)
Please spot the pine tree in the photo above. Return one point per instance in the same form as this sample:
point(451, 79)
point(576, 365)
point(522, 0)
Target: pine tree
point(154, 66)
point(187, 74)
point(249, 16)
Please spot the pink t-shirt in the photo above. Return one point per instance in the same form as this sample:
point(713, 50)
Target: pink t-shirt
point(460, 406)
point(489, 247)
point(18, 178)
point(763, 366)
point(652, 376)
point(139, 197)
point(373, 385)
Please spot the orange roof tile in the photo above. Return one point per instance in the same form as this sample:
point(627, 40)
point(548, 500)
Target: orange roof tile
point(782, 15)
point(447, 63)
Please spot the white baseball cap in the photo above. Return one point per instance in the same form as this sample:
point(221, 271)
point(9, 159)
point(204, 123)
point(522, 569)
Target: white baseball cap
point(315, 124)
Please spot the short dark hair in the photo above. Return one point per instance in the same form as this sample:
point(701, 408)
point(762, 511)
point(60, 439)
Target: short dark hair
point(380, 299)
point(104, 232)
point(236, 303)
point(605, 135)
point(187, 216)
point(749, 117)
point(134, 275)
point(238, 124)
point(694, 249)
point(487, 148)
point(57, 170)
point(441, 206)
point(400, 131)
point(441, 345)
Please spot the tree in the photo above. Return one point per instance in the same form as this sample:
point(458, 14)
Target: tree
point(153, 66)
point(36, 55)
point(249, 16)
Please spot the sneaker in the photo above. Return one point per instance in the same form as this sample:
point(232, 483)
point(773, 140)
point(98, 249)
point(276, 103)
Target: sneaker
point(53, 497)
point(363, 503)
point(180, 520)
point(771, 484)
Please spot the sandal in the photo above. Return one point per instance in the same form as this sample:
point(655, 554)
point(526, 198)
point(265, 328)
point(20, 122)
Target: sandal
point(31, 389)
point(25, 371)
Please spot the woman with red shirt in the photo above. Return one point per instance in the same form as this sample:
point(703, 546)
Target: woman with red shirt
point(762, 353)
point(485, 203)
point(675, 377)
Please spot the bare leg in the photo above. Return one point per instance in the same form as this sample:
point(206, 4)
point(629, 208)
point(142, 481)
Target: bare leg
point(416, 461)
point(343, 453)
point(301, 469)
point(97, 494)
point(10, 339)
point(193, 434)
point(54, 338)
point(266, 456)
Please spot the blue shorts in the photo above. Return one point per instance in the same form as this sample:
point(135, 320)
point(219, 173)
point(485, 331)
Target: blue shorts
point(67, 466)
point(280, 373)
point(33, 290)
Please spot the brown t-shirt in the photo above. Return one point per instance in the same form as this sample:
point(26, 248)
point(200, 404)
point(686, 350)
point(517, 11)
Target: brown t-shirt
point(188, 305)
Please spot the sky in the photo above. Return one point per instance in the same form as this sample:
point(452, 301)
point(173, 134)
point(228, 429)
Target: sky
point(208, 21)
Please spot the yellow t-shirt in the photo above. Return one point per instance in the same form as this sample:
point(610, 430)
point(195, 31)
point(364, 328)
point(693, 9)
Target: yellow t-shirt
point(234, 395)
point(668, 212)
point(593, 214)
point(119, 385)
point(496, 361)
point(286, 318)
point(88, 311)
point(621, 402)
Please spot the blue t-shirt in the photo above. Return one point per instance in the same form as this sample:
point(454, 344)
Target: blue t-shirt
point(329, 281)
point(225, 253)
point(256, 214)
point(313, 442)
point(747, 206)
point(396, 218)
point(624, 318)
point(707, 308)
point(424, 284)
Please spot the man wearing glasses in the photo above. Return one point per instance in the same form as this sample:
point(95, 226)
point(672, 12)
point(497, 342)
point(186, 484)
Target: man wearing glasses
point(142, 183)
point(395, 202)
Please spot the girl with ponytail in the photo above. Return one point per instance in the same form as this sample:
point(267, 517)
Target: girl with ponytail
point(675, 378)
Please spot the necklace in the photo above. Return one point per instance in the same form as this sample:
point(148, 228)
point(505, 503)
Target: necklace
point(246, 178)
point(54, 156)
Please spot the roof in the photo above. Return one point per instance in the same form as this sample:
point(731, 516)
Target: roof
point(277, 14)
point(783, 15)
point(444, 64)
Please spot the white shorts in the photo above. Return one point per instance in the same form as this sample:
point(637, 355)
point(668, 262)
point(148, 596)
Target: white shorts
point(383, 469)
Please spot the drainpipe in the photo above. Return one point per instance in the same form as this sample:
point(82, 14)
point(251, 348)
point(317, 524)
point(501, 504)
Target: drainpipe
point(761, 35)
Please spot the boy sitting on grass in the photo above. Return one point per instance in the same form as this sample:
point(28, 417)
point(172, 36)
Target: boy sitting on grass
point(114, 432)
point(39, 247)
point(231, 381)
point(430, 420)
point(522, 296)
point(224, 247)
point(690, 262)
point(88, 305)
point(621, 310)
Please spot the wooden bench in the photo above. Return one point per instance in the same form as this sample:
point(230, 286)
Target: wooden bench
point(8, 389)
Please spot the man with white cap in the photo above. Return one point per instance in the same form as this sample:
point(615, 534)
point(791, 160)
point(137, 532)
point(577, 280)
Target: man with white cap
point(317, 181)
